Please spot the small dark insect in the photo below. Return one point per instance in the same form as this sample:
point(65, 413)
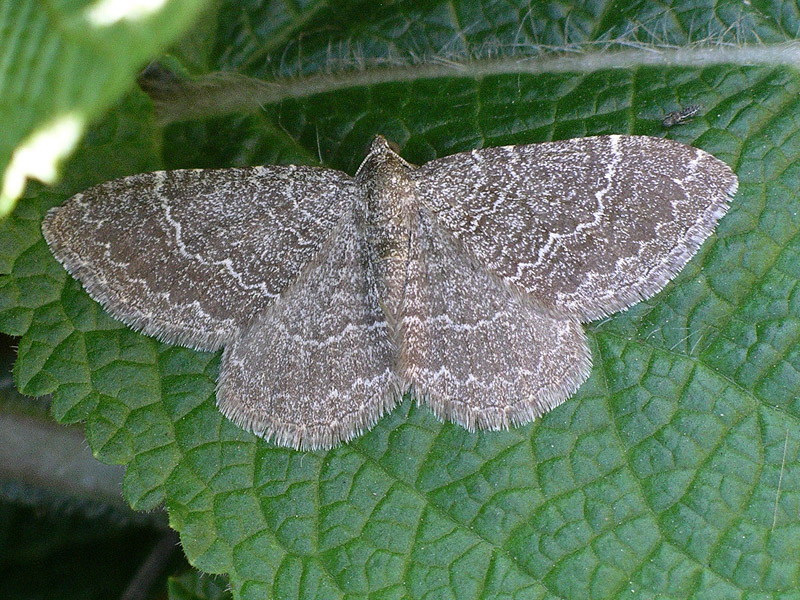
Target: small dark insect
point(677, 117)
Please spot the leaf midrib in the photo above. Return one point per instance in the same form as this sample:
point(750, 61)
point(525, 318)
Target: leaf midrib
point(252, 94)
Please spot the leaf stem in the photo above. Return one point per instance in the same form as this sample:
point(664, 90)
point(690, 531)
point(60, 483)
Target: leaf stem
point(56, 460)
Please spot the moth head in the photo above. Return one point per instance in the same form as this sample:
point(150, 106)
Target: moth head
point(382, 152)
point(380, 145)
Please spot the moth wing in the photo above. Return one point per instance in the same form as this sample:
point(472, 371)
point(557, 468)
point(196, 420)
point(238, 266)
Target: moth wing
point(318, 367)
point(477, 351)
point(588, 226)
point(191, 256)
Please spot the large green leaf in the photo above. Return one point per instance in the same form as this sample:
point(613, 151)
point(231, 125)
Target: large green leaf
point(672, 473)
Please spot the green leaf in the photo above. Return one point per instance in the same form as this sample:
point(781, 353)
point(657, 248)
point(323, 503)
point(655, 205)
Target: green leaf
point(194, 586)
point(62, 64)
point(672, 473)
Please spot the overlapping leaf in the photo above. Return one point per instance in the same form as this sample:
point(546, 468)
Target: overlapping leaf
point(61, 65)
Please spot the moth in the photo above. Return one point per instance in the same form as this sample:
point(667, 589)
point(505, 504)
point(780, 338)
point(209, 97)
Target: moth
point(464, 280)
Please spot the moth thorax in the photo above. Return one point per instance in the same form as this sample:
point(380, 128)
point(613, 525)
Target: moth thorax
point(390, 216)
point(390, 206)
